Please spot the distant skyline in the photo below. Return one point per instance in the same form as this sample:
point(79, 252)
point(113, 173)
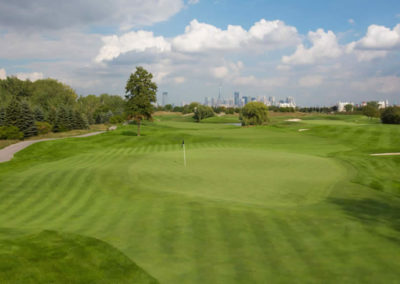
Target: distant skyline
point(317, 52)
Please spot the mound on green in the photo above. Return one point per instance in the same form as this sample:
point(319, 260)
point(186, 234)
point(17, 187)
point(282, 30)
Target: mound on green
point(53, 257)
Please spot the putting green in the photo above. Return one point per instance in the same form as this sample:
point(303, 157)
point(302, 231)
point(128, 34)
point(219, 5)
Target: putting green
point(254, 176)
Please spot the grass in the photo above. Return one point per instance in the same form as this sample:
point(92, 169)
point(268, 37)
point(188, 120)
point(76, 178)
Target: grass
point(254, 205)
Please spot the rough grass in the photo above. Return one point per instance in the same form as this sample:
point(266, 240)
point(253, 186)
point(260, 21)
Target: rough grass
point(52, 257)
point(254, 205)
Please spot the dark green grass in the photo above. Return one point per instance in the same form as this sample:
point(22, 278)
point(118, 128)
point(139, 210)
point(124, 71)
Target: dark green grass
point(52, 257)
point(255, 205)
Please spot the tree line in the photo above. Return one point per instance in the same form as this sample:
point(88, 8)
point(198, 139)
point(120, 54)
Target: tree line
point(31, 108)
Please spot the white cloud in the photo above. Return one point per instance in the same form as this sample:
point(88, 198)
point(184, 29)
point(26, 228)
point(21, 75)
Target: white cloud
point(133, 41)
point(22, 76)
point(3, 74)
point(179, 80)
point(380, 38)
point(324, 46)
point(192, 2)
point(384, 85)
point(27, 15)
point(34, 76)
point(266, 83)
point(228, 70)
point(200, 37)
point(365, 55)
point(351, 21)
point(310, 81)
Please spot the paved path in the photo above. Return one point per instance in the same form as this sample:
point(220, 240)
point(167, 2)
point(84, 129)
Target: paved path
point(386, 154)
point(8, 152)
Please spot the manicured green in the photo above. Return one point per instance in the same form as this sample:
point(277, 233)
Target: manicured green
point(267, 204)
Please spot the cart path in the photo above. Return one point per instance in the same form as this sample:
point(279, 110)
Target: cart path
point(8, 152)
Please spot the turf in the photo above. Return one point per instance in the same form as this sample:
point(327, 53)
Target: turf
point(254, 205)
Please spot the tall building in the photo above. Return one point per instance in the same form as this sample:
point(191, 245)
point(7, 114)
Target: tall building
point(236, 98)
point(164, 98)
point(245, 100)
point(272, 101)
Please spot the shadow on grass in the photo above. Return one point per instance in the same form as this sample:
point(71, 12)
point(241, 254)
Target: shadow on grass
point(371, 211)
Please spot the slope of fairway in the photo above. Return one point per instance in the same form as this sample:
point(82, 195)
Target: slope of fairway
point(254, 205)
point(52, 257)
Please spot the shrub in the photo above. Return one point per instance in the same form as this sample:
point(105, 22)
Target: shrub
point(254, 113)
point(117, 119)
point(43, 127)
point(202, 112)
point(391, 115)
point(10, 132)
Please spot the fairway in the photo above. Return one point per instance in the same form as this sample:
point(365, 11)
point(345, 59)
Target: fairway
point(263, 204)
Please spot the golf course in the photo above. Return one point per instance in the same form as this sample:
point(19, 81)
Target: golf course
point(294, 201)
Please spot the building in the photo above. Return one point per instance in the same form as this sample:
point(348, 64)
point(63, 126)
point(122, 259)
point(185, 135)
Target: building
point(341, 106)
point(272, 101)
point(164, 98)
point(383, 104)
point(289, 102)
point(245, 100)
point(236, 99)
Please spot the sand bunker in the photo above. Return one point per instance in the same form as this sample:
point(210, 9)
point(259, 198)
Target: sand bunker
point(293, 120)
point(303, 129)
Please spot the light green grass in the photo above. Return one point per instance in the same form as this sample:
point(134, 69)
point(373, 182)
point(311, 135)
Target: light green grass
point(255, 205)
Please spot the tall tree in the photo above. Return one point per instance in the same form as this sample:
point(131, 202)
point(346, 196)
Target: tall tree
point(2, 116)
point(13, 114)
point(28, 126)
point(141, 93)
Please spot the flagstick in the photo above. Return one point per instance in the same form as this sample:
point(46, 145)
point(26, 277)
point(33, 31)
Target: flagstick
point(184, 155)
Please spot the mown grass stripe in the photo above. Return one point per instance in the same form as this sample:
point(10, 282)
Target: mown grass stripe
point(72, 181)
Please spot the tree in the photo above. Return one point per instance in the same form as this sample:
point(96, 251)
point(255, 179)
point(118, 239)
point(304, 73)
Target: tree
point(13, 114)
point(141, 93)
point(39, 116)
point(28, 126)
point(391, 115)
point(2, 116)
point(371, 110)
point(201, 112)
point(348, 108)
point(254, 113)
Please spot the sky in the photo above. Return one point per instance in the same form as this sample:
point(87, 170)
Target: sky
point(319, 52)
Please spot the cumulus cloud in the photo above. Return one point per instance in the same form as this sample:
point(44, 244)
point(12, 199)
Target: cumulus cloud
point(351, 21)
point(229, 69)
point(34, 76)
point(139, 41)
point(3, 74)
point(384, 85)
point(50, 15)
point(179, 80)
point(310, 81)
point(266, 83)
point(199, 37)
point(192, 2)
point(380, 38)
point(324, 46)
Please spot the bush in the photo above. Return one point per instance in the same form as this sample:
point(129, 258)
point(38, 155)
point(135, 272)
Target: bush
point(391, 115)
point(11, 133)
point(43, 127)
point(117, 119)
point(202, 112)
point(254, 113)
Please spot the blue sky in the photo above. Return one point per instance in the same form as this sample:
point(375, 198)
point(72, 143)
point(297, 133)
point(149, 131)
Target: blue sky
point(320, 52)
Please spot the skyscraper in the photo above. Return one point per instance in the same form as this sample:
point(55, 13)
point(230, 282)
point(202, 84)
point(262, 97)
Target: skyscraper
point(236, 99)
point(164, 98)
